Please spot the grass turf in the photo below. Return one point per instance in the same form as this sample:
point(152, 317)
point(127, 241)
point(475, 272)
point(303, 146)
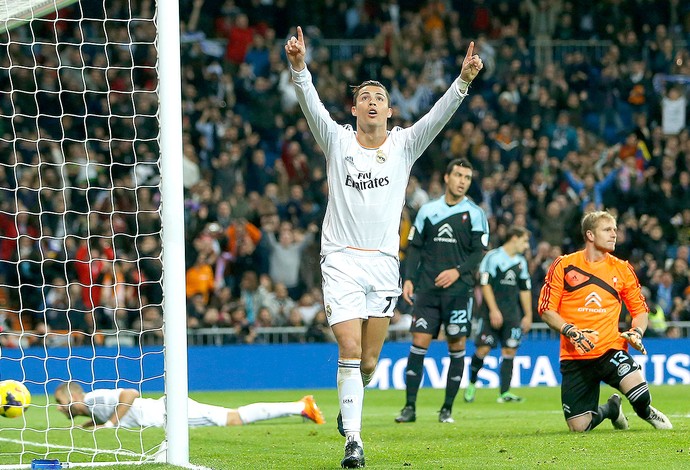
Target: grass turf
point(532, 434)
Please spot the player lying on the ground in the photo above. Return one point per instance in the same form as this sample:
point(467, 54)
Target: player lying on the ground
point(123, 407)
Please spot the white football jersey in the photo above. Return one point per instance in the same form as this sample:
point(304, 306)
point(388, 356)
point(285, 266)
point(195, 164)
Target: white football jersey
point(144, 412)
point(367, 185)
point(150, 412)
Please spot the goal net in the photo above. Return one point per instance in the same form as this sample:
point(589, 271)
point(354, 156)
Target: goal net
point(81, 265)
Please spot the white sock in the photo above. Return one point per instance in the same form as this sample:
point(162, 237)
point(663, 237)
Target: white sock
point(262, 411)
point(350, 394)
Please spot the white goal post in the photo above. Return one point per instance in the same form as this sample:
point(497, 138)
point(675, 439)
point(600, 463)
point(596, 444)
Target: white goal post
point(91, 230)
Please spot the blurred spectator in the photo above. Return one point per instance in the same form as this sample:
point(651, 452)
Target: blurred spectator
point(196, 309)
point(200, 279)
point(150, 326)
point(286, 255)
point(280, 304)
point(244, 331)
point(295, 320)
point(239, 35)
point(252, 295)
point(64, 313)
point(562, 137)
point(248, 155)
point(673, 110)
point(319, 331)
point(264, 319)
point(308, 306)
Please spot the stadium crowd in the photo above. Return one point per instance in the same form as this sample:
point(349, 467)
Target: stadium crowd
point(582, 105)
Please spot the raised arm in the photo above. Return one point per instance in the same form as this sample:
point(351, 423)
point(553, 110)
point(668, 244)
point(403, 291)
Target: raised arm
point(471, 65)
point(296, 51)
point(320, 122)
point(425, 130)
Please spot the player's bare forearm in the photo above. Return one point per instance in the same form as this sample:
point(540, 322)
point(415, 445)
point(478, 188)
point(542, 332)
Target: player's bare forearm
point(127, 397)
point(408, 291)
point(526, 302)
point(489, 298)
point(640, 321)
point(637, 329)
point(495, 314)
point(553, 319)
point(496, 318)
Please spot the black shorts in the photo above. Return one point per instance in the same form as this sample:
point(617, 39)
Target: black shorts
point(509, 334)
point(582, 380)
point(453, 311)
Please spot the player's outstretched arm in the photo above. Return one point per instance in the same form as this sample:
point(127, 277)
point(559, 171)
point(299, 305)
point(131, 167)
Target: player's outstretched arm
point(296, 51)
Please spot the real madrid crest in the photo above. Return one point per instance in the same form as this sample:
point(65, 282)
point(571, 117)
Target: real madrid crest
point(380, 156)
point(329, 311)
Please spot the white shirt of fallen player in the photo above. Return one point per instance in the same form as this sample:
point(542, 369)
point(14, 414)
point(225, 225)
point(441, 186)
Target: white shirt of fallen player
point(360, 237)
point(149, 412)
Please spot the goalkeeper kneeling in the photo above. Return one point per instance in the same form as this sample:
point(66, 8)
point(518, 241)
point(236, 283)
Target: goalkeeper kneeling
point(582, 299)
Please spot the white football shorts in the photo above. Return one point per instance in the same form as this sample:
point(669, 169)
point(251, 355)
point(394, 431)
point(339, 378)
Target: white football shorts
point(201, 414)
point(198, 414)
point(359, 284)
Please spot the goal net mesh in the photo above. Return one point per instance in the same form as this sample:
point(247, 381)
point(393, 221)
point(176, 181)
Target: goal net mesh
point(80, 227)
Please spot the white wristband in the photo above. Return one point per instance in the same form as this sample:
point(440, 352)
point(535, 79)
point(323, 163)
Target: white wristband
point(108, 424)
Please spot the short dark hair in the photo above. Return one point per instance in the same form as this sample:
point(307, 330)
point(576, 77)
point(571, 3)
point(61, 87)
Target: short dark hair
point(516, 231)
point(463, 162)
point(357, 88)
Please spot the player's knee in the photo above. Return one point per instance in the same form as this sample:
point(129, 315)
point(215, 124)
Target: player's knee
point(457, 344)
point(234, 418)
point(368, 365)
point(581, 424)
point(508, 353)
point(349, 348)
point(640, 398)
point(482, 351)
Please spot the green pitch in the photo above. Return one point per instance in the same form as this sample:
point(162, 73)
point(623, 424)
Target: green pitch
point(485, 435)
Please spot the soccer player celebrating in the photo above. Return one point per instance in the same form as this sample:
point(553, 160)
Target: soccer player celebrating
point(582, 299)
point(123, 407)
point(506, 313)
point(449, 237)
point(367, 170)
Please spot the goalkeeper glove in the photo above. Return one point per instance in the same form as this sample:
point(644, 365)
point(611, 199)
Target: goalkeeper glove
point(634, 337)
point(583, 340)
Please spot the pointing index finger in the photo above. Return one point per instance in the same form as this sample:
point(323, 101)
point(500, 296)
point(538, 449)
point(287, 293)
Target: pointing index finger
point(300, 36)
point(470, 51)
